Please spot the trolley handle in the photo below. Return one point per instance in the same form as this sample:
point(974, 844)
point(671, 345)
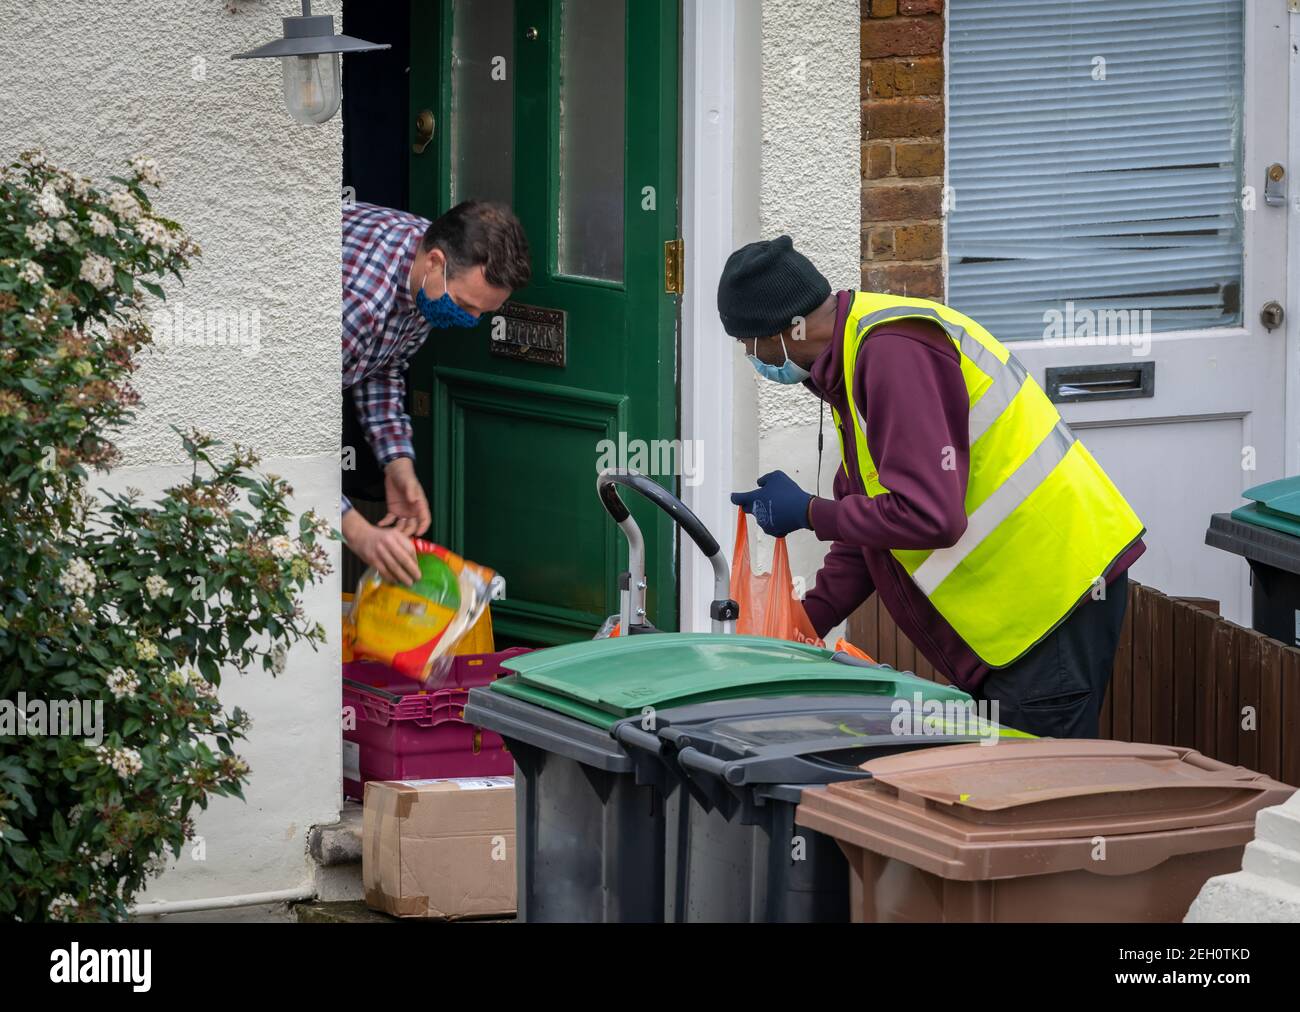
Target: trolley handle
point(723, 611)
point(607, 488)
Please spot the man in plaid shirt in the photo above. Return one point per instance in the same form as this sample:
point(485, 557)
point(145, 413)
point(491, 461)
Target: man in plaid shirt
point(402, 277)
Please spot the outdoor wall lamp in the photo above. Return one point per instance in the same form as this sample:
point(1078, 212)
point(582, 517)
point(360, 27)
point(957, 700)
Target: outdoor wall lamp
point(309, 58)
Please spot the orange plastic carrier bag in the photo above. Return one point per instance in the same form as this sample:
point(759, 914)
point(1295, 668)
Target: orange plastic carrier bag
point(768, 606)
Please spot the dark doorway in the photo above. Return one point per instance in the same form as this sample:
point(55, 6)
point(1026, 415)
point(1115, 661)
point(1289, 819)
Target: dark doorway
point(376, 95)
point(376, 170)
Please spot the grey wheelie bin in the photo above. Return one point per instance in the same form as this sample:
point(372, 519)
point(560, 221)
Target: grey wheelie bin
point(732, 852)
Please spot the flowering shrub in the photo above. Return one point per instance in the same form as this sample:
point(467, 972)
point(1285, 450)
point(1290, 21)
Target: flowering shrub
point(122, 608)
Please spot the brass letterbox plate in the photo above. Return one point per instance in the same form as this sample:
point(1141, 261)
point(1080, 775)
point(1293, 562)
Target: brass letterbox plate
point(530, 334)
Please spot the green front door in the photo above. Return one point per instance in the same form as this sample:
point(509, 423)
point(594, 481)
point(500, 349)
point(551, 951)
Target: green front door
point(567, 110)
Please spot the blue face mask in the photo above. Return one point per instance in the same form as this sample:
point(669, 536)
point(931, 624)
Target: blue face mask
point(443, 313)
point(788, 373)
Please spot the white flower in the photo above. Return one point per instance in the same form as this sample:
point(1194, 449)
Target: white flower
point(125, 762)
point(101, 224)
point(203, 688)
point(32, 272)
point(122, 683)
point(155, 586)
point(146, 650)
point(154, 233)
point(278, 658)
point(97, 270)
point(281, 547)
point(81, 187)
point(61, 906)
point(128, 762)
point(65, 232)
point(40, 235)
point(35, 157)
point(49, 202)
point(123, 204)
point(146, 169)
point(78, 578)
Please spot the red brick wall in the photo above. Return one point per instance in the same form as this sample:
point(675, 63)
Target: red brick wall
point(902, 147)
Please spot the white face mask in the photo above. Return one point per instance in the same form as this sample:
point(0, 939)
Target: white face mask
point(787, 373)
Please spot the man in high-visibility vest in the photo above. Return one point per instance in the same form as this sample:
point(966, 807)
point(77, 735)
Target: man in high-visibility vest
point(995, 540)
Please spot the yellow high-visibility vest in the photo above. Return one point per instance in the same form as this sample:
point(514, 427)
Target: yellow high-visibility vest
point(1044, 523)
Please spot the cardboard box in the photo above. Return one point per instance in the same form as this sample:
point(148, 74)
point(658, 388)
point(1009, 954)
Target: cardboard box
point(440, 848)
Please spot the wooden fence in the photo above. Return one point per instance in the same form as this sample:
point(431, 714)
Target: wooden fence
point(1183, 676)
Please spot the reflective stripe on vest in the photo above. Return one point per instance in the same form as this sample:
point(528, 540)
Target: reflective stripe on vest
point(1043, 522)
point(996, 508)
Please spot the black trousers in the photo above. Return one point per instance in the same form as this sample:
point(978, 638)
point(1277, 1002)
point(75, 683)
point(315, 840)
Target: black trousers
point(1056, 690)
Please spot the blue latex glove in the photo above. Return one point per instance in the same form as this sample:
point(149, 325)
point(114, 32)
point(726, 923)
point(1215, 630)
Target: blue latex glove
point(778, 504)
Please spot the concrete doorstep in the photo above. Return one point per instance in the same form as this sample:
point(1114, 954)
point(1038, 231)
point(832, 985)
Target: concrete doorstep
point(336, 858)
point(1267, 889)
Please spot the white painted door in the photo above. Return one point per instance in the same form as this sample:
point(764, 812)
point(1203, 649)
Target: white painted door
point(1212, 421)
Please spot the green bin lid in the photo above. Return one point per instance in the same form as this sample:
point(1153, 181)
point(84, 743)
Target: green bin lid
point(513, 687)
point(602, 681)
point(1276, 506)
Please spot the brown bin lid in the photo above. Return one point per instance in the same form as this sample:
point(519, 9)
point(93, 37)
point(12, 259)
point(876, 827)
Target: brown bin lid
point(1025, 807)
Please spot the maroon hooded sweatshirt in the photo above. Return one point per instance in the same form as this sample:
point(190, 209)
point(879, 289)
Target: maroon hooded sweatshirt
point(909, 386)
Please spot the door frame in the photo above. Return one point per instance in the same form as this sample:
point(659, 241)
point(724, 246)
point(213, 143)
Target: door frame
point(706, 396)
point(1292, 413)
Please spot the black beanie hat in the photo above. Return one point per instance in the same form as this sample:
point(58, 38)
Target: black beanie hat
point(765, 285)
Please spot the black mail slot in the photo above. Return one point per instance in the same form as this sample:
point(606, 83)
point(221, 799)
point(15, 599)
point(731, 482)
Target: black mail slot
point(1072, 383)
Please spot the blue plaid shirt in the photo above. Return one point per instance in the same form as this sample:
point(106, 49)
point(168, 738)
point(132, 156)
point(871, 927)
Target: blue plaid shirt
point(382, 327)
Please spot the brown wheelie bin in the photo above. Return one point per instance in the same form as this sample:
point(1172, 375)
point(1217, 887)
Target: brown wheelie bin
point(1039, 830)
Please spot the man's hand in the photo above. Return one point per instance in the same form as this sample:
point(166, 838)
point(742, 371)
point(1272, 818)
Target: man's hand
point(408, 509)
point(778, 505)
point(386, 548)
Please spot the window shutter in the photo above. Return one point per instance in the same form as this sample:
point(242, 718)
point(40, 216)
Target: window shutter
point(1095, 158)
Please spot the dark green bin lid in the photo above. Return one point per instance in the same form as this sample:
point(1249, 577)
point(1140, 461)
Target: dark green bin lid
point(1276, 506)
point(603, 681)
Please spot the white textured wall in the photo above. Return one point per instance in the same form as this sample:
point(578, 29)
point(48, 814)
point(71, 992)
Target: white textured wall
point(809, 188)
point(95, 83)
point(260, 844)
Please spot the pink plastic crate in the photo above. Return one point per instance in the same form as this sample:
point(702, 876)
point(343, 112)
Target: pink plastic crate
point(405, 732)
